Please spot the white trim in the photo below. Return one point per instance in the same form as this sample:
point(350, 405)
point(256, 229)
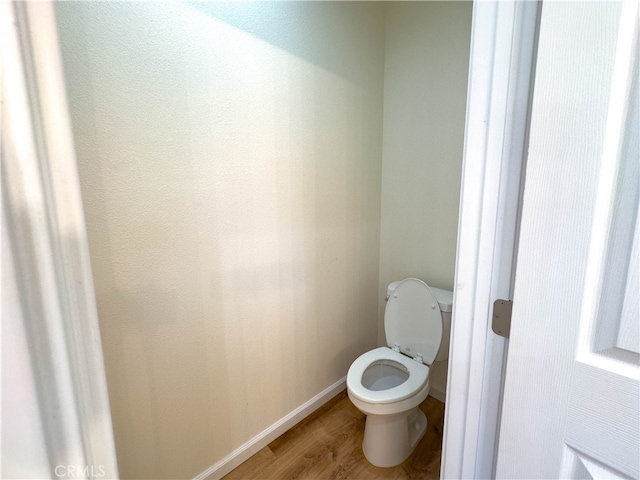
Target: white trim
point(503, 48)
point(242, 453)
point(54, 298)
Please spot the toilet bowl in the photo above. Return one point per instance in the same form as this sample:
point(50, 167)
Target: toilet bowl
point(388, 387)
point(388, 384)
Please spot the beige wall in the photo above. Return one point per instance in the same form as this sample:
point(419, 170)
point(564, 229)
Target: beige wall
point(234, 178)
point(230, 159)
point(425, 87)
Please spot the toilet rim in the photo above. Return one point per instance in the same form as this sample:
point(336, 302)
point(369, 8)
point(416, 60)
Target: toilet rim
point(418, 375)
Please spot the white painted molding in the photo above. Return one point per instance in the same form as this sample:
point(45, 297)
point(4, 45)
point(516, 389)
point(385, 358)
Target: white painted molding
point(52, 299)
point(614, 197)
point(242, 453)
point(503, 50)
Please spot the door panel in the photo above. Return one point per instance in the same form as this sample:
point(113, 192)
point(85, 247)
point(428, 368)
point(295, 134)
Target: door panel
point(572, 402)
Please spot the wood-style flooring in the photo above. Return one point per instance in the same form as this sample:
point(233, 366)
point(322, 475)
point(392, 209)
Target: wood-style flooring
point(328, 445)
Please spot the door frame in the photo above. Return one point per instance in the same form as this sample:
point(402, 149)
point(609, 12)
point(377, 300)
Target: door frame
point(49, 286)
point(501, 72)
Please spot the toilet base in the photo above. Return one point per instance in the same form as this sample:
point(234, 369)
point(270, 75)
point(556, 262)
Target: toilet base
point(390, 439)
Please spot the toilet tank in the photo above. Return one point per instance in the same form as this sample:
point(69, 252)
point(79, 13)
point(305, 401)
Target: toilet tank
point(445, 301)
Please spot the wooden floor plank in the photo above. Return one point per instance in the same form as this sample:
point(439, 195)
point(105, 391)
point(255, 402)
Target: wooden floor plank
point(328, 445)
point(253, 468)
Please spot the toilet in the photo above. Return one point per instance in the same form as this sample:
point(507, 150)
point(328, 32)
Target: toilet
point(388, 383)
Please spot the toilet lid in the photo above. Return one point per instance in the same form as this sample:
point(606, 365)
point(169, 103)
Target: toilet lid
point(413, 320)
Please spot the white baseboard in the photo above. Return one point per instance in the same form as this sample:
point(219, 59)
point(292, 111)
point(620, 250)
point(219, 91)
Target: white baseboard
point(438, 392)
point(242, 453)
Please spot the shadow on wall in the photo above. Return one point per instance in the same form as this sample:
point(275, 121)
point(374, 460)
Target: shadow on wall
point(301, 27)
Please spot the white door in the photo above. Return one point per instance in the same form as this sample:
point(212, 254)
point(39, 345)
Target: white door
point(571, 398)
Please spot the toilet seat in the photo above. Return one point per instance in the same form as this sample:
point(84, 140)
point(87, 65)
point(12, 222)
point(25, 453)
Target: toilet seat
point(413, 320)
point(418, 375)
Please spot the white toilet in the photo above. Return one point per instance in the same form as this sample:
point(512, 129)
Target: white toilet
point(388, 384)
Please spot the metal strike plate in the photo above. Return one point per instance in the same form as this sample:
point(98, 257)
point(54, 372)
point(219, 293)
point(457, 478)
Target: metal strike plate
point(501, 323)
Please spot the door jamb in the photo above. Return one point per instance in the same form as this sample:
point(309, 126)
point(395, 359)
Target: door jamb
point(47, 256)
point(502, 66)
